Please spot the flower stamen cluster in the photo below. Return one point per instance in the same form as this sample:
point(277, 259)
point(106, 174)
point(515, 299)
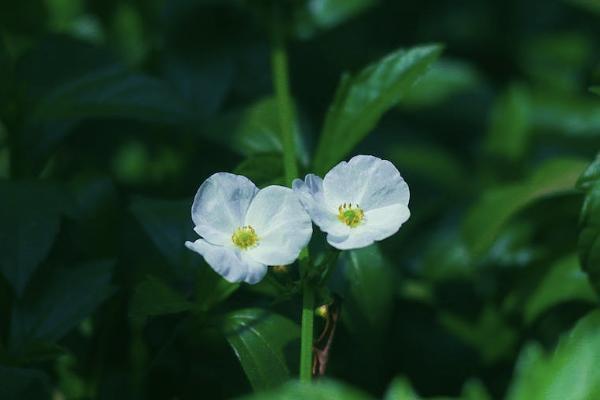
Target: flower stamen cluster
point(350, 215)
point(245, 237)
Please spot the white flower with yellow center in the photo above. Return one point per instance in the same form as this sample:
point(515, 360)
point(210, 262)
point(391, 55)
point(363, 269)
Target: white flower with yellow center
point(244, 229)
point(357, 203)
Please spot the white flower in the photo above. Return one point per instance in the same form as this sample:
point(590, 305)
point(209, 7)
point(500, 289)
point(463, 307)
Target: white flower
point(357, 203)
point(244, 229)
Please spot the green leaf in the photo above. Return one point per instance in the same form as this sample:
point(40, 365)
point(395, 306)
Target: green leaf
point(491, 335)
point(323, 389)
point(361, 100)
point(312, 16)
point(369, 290)
point(20, 383)
point(400, 389)
point(489, 215)
point(113, 93)
point(260, 339)
point(262, 169)
point(570, 373)
point(508, 133)
point(595, 89)
point(29, 221)
point(443, 80)
point(564, 281)
point(591, 176)
point(589, 222)
point(589, 5)
point(573, 117)
point(255, 130)
point(168, 223)
point(152, 297)
point(65, 299)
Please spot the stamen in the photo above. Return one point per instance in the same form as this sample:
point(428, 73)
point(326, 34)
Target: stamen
point(350, 215)
point(245, 237)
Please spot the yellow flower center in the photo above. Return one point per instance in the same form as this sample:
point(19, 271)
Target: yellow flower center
point(245, 237)
point(350, 215)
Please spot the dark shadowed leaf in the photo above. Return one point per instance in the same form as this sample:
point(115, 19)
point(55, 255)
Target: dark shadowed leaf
point(489, 215)
point(320, 390)
point(113, 92)
point(168, 224)
point(312, 16)
point(21, 383)
point(361, 100)
point(564, 281)
point(575, 117)
point(29, 222)
point(153, 297)
point(261, 340)
point(570, 373)
point(595, 89)
point(65, 299)
point(508, 133)
point(255, 130)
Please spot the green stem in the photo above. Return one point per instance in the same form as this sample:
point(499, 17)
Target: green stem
point(306, 340)
point(281, 84)
point(285, 110)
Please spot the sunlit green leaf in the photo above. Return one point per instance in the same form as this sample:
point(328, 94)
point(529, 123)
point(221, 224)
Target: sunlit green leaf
point(321, 390)
point(570, 373)
point(65, 299)
point(508, 133)
point(362, 99)
point(153, 297)
point(262, 341)
point(489, 215)
point(564, 281)
point(400, 389)
point(29, 221)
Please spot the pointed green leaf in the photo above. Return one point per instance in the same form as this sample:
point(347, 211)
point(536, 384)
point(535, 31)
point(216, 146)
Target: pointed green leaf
point(153, 297)
point(323, 389)
point(489, 215)
point(263, 342)
point(508, 133)
point(564, 281)
point(570, 373)
point(589, 222)
point(29, 222)
point(362, 99)
point(64, 301)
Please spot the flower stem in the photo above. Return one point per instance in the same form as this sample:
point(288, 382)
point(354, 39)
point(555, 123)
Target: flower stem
point(281, 83)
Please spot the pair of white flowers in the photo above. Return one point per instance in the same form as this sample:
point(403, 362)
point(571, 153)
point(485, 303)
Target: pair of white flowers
point(244, 229)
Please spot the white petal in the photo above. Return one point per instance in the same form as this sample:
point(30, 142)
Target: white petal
point(367, 181)
point(310, 193)
point(358, 238)
point(229, 263)
point(281, 223)
point(378, 224)
point(220, 206)
point(385, 221)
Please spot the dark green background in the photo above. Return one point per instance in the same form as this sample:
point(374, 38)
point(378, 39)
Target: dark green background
point(113, 112)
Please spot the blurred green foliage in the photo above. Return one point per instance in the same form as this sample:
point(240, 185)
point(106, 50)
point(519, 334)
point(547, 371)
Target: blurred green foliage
point(113, 112)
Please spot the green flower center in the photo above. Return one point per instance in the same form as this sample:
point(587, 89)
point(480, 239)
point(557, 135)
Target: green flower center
point(245, 237)
point(350, 215)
